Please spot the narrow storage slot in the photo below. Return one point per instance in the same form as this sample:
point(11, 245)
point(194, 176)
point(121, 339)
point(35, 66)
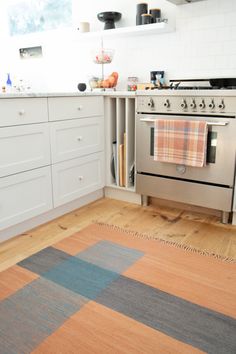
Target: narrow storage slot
point(129, 143)
point(120, 141)
point(120, 126)
point(111, 146)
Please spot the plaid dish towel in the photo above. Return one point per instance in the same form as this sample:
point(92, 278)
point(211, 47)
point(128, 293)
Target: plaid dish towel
point(181, 142)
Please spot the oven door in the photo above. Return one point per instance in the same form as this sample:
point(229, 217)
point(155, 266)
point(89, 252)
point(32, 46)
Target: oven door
point(220, 151)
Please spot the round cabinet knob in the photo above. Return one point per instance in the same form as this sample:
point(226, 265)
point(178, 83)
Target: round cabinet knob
point(184, 104)
point(167, 103)
point(193, 104)
point(80, 108)
point(221, 105)
point(202, 104)
point(150, 103)
point(212, 104)
point(21, 112)
point(81, 178)
point(80, 138)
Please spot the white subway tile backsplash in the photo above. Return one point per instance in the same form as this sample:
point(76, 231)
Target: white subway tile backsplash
point(226, 5)
point(229, 48)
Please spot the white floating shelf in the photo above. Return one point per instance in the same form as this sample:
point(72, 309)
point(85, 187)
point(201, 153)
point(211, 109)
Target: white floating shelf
point(182, 2)
point(153, 28)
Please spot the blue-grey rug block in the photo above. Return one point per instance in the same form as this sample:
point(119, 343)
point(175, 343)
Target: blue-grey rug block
point(198, 326)
point(44, 260)
point(111, 256)
point(81, 277)
point(33, 313)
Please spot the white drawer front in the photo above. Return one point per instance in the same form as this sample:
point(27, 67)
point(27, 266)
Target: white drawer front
point(23, 148)
point(24, 195)
point(16, 111)
point(78, 177)
point(75, 138)
point(61, 108)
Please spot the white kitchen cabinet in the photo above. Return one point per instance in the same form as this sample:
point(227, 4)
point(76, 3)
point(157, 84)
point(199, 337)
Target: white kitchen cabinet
point(77, 177)
point(61, 108)
point(51, 158)
point(17, 111)
point(75, 138)
point(24, 195)
point(24, 147)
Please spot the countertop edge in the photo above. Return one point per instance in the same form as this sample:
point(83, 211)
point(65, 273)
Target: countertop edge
point(204, 93)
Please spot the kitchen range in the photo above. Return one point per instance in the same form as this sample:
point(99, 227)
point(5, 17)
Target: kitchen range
point(211, 185)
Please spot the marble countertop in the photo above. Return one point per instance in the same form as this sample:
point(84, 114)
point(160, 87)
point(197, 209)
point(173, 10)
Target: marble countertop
point(220, 93)
point(67, 94)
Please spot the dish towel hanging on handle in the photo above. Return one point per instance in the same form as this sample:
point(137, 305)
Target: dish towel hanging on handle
point(181, 142)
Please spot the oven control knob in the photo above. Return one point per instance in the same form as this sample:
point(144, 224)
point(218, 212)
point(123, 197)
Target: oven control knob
point(221, 105)
point(184, 104)
point(212, 104)
point(193, 104)
point(167, 103)
point(202, 104)
point(150, 103)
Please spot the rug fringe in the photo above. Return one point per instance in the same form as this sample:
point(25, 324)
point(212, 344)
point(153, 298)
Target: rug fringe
point(167, 242)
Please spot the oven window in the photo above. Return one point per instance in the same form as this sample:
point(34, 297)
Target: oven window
point(211, 145)
point(151, 141)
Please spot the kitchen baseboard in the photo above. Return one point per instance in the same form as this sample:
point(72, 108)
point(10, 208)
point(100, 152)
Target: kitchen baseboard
point(124, 195)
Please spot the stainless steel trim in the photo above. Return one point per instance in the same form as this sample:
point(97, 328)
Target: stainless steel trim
point(150, 120)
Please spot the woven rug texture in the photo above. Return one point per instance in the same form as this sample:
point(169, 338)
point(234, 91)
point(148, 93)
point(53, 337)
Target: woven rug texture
point(105, 290)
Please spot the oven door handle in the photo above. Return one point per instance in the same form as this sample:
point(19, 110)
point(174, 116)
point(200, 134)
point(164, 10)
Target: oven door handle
point(150, 120)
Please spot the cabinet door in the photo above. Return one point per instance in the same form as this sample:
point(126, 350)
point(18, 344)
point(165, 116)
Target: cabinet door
point(24, 148)
point(17, 111)
point(24, 195)
point(75, 138)
point(78, 177)
point(61, 108)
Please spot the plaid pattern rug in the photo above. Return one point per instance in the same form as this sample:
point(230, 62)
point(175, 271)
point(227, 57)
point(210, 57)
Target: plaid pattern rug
point(104, 290)
point(181, 142)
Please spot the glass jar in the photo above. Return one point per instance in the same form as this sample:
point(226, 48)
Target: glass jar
point(132, 83)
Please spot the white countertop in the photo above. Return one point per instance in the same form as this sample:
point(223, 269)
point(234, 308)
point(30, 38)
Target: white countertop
point(67, 94)
point(220, 93)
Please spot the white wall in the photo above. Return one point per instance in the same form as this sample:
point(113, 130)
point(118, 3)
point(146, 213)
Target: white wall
point(203, 45)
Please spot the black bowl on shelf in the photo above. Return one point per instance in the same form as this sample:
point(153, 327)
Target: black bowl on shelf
point(109, 17)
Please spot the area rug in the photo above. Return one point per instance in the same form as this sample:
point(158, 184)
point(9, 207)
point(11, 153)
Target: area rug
point(103, 290)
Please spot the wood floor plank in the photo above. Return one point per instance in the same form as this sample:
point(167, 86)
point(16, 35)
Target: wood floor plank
point(204, 232)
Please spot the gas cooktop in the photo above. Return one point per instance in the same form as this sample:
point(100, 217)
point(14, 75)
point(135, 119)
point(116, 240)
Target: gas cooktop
point(199, 84)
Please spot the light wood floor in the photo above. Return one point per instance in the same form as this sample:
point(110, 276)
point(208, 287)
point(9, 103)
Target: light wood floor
point(188, 227)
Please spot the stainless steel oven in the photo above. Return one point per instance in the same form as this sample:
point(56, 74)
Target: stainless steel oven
point(210, 186)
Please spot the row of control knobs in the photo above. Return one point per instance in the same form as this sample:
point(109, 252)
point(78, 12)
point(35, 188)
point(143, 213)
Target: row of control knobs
point(192, 105)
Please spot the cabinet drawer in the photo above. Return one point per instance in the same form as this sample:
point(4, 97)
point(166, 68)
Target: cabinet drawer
point(75, 138)
point(24, 148)
point(78, 177)
point(61, 108)
point(16, 111)
point(24, 196)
